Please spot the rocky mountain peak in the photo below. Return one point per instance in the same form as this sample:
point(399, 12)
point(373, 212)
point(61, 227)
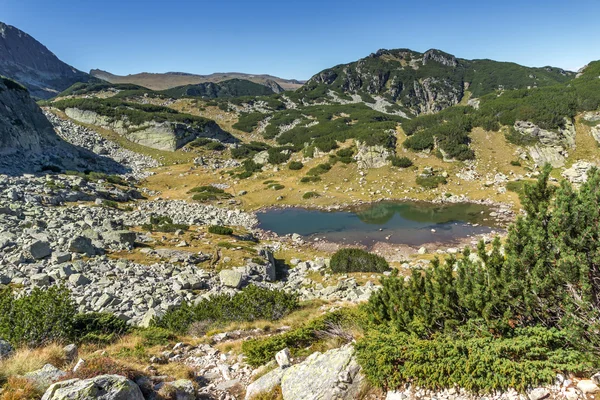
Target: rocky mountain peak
point(30, 63)
point(447, 60)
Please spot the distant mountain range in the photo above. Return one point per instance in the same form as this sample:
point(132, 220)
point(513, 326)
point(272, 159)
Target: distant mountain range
point(30, 63)
point(170, 80)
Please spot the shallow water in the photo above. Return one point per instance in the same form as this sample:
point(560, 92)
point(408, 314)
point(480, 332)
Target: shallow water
point(408, 223)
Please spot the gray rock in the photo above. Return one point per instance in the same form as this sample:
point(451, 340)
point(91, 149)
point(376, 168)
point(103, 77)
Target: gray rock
point(226, 385)
point(82, 245)
point(6, 349)
point(587, 386)
point(40, 279)
point(39, 249)
point(78, 280)
point(121, 237)
point(265, 383)
point(149, 316)
point(103, 387)
point(230, 278)
point(183, 389)
point(61, 257)
point(318, 377)
point(71, 352)
point(44, 377)
point(283, 358)
point(538, 394)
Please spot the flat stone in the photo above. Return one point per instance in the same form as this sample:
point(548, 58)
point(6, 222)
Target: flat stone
point(231, 278)
point(587, 386)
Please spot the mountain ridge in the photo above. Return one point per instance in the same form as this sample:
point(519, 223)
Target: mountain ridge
point(169, 80)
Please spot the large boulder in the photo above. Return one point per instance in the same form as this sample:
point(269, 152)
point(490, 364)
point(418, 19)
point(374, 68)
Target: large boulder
point(578, 172)
point(103, 387)
point(324, 376)
point(231, 278)
point(82, 245)
point(39, 249)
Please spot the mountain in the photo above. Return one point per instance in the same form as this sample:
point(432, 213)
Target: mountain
point(427, 82)
point(229, 88)
point(170, 80)
point(30, 63)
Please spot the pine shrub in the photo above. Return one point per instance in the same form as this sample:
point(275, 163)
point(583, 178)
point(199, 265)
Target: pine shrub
point(357, 260)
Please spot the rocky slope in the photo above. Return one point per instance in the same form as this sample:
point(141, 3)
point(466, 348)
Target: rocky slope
point(423, 82)
point(29, 62)
point(173, 79)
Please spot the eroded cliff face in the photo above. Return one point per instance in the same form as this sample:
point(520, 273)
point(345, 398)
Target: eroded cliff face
point(30, 63)
point(23, 126)
point(166, 135)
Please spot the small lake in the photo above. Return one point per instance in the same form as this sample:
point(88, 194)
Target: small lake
point(408, 223)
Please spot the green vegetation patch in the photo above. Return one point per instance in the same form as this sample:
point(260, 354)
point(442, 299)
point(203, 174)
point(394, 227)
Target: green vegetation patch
point(163, 223)
point(357, 260)
point(251, 304)
point(220, 230)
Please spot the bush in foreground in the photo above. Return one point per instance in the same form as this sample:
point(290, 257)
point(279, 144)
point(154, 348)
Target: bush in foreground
point(250, 304)
point(511, 318)
point(296, 165)
point(400, 162)
point(357, 260)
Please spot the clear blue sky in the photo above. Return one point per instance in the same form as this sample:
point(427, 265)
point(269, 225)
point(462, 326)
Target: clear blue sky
point(296, 39)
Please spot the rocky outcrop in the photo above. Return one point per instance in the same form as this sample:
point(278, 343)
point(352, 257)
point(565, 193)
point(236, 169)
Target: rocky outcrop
point(165, 135)
point(27, 61)
point(334, 374)
point(550, 146)
point(596, 132)
point(372, 156)
point(23, 127)
point(577, 174)
point(103, 387)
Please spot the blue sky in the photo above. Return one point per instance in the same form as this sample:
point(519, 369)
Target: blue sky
point(296, 39)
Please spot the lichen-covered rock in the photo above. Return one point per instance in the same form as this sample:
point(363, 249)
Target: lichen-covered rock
point(372, 156)
point(45, 376)
point(323, 376)
point(103, 387)
point(231, 278)
point(551, 147)
point(265, 383)
point(182, 389)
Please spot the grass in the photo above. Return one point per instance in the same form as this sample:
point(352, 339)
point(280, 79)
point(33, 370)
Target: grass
point(26, 360)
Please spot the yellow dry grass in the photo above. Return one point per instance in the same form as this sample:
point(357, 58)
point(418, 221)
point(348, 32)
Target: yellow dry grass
point(26, 360)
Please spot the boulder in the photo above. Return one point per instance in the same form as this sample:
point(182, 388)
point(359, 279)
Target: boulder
point(121, 237)
point(182, 389)
point(330, 375)
point(82, 245)
point(71, 352)
point(587, 386)
point(231, 278)
point(45, 376)
point(6, 349)
point(59, 258)
point(265, 383)
point(39, 249)
point(538, 394)
point(283, 358)
point(551, 147)
point(78, 280)
point(103, 387)
point(40, 279)
point(149, 316)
